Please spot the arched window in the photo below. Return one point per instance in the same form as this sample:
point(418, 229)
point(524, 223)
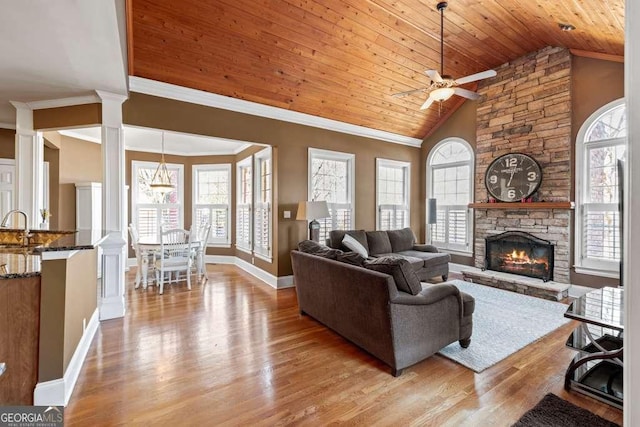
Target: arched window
point(600, 145)
point(450, 182)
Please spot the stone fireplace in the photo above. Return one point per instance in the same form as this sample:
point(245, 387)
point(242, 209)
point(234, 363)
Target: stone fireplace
point(520, 253)
point(526, 109)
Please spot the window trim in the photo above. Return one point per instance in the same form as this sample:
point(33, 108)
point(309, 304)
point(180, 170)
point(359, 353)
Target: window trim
point(350, 158)
point(601, 268)
point(137, 164)
point(194, 196)
point(455, 249)
point(258, 252)
point(244, 163)
point(406, 170)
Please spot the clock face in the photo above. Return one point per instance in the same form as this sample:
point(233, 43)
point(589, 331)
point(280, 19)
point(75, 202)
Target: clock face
point(513, 177)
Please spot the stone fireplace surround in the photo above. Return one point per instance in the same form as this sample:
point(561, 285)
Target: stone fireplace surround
point(526, 109)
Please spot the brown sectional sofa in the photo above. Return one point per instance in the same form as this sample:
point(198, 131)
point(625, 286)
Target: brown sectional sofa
point(425, 259)
point(366, 307)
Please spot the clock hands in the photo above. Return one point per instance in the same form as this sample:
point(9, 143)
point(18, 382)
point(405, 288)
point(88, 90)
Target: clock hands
point(513, 171)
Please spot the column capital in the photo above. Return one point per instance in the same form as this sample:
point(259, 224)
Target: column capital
point(24, 118)
point(111, 108)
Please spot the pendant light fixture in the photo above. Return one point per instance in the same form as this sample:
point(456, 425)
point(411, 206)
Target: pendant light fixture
point(161, 181)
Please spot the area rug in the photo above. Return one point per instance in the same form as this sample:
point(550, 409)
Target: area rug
point(553, 411)
point(503, 323)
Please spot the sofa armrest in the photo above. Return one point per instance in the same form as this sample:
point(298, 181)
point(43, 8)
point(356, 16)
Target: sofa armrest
point(425, 248)
point(429, 295)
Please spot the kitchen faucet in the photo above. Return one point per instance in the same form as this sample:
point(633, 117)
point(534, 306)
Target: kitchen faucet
point(26, 224)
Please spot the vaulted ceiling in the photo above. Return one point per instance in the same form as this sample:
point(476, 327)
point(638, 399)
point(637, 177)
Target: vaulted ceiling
point(344, 59)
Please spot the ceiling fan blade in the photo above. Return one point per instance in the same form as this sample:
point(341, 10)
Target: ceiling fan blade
point(477, 76)
point(465, 93)
point(409, 92)
point(427, 103)
point(434, 76)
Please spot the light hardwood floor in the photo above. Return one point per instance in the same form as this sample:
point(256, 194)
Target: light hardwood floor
point(236, 352)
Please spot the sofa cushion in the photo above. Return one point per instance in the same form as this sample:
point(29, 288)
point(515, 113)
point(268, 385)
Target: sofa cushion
point(401, 240)
point(336, 236)
point(416, 263)
point(429, 259)
point(353, 258)
point(401, 270)
point(352, 244)
point(315, 248)
point(378, 242)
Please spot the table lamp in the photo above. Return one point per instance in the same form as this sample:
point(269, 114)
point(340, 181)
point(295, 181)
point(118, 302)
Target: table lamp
point(311, 211)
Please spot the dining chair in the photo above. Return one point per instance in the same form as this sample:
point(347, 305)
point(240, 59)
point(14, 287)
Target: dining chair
point(203, 237)
point(177, 256)
point(142, 257)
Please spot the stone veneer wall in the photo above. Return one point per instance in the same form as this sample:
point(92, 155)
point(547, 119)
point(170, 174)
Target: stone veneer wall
point(526, 109)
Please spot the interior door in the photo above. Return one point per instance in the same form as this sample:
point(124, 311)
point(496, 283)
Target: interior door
point(7, 190)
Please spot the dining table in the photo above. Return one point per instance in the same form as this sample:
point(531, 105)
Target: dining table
point(150, 246)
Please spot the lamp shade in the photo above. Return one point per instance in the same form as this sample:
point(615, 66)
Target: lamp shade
point(432, 214)
point(312, 210)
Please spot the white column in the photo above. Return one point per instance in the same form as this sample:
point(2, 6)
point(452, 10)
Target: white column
point(114, 216)
point(29, 165)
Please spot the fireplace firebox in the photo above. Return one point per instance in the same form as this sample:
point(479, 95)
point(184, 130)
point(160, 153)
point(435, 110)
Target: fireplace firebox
point(521, 253)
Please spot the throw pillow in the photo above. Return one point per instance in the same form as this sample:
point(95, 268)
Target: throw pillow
point(401, 270)
point(353, 258)
point(315, 248)
point(354, 245)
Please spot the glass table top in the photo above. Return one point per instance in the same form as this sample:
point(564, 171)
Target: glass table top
point(603, 307)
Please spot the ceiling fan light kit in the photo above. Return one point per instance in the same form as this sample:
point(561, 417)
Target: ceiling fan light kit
point(442, 86)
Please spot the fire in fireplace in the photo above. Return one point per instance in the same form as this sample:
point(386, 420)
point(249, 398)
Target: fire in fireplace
point(521, 253)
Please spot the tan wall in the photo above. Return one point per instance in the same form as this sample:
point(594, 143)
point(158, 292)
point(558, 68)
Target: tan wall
point(291, 143)
point(188, 163)
point(461, 124)
point(68, 300)
point(589, 94)
point(80, 161)
point(7, 144)
point(67, 117)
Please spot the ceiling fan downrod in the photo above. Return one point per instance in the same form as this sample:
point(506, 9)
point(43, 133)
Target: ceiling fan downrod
point(441, 7)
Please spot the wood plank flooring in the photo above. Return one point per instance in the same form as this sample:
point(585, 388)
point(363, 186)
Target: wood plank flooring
point(236, 352)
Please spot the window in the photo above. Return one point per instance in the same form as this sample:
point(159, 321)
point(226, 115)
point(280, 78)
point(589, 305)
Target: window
point(392, 194)
point(331, 178)
point(262, 206)
point(601, 142)
point(150, 209)
point(211, 199)
point(450, 182)
point(244, 204)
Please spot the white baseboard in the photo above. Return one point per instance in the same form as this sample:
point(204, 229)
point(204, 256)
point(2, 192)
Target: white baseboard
point(132, 262)
point(285, 282)
point(57, 392)
point(267, 278)
point(219, 259)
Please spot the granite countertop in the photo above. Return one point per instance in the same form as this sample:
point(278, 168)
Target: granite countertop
point(18, 261)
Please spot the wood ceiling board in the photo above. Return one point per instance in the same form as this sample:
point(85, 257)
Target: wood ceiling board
point(343, 59)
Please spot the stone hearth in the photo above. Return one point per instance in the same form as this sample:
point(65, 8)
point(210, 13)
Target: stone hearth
point(521, 284)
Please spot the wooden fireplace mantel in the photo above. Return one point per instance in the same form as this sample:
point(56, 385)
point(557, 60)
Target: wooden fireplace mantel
point(520, 205)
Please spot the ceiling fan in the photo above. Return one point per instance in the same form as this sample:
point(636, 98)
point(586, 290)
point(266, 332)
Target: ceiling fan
point(442, 87)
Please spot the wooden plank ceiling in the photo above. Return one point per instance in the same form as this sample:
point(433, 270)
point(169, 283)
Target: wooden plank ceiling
point(343, 59)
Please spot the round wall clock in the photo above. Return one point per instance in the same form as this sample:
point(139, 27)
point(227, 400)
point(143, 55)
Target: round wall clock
point(513, 177)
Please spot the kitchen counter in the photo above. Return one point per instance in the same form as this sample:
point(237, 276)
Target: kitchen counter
point(25, 261)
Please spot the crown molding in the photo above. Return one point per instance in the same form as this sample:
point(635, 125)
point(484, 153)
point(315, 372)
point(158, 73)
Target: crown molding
point(4, 125)
point(194, 96)
point(62, 102)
